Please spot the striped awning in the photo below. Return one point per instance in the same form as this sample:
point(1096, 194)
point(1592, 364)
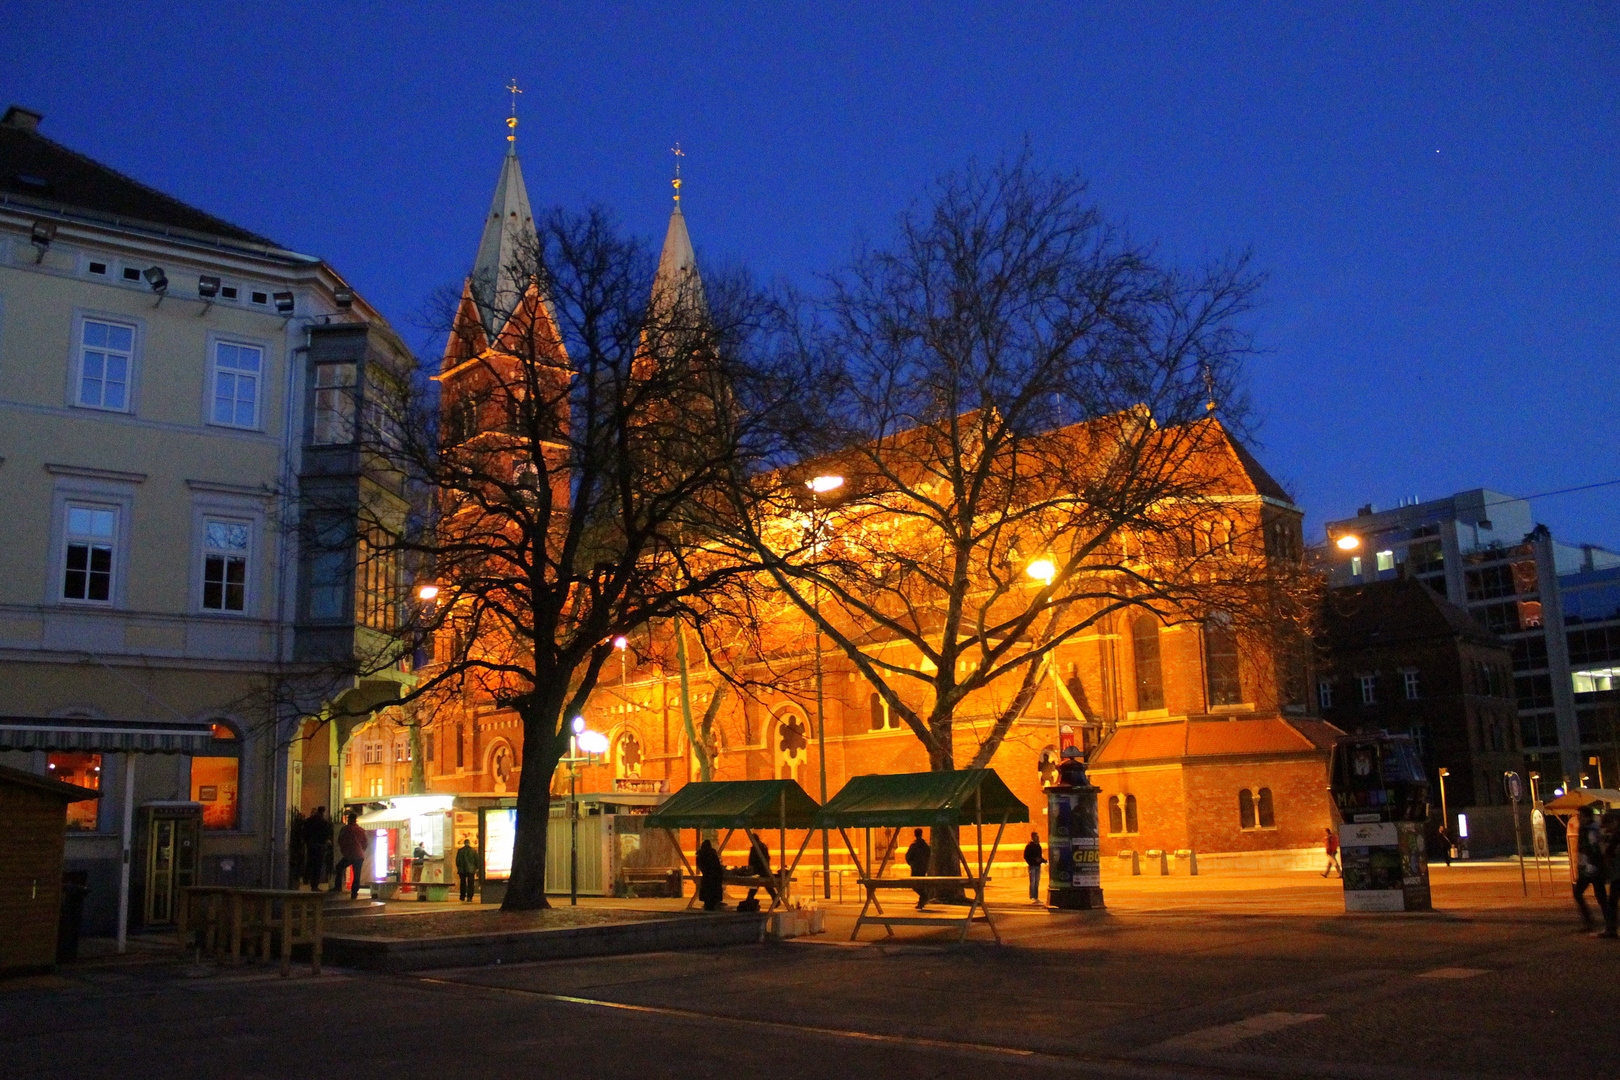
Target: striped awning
point(72, 734)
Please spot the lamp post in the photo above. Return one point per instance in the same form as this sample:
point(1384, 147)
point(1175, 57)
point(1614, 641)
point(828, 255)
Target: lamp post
point(577, 726)
point(1597, 763)
point(817, 486)
point(1044, 570)
point(1445, 819)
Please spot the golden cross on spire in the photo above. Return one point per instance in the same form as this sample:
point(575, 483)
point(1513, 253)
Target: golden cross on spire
point(679, 153)
point(511, 121)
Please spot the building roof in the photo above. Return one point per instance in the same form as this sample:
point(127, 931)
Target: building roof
point(1204, 738)
point(1390, 612)
point(66, 792)
point(737, 804)
point(38, 172)
point(1263, 481)
point(960, 797)
point(677, 280)
point(507, 244)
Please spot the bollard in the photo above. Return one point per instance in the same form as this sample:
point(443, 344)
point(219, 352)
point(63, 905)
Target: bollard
point(1185, 859)
point(1133, 861)
point(1158, 858)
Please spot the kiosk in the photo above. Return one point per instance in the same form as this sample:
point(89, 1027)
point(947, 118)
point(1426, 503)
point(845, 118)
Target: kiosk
point(1382, 797)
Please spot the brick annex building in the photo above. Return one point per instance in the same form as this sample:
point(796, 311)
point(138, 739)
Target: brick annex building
point(1193, 741)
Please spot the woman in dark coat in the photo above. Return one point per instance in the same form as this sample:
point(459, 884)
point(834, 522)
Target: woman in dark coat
point(711, 877)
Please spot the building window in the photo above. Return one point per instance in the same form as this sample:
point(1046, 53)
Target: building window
point(1355, 566)
point(81, 770)
point(1386, 561)
point(1369, 689)
point(236, 384)
point(427, 748)
point(1264, 813)
point(878, 711)
point(214, 783)
point(1130, 813)
point(376, 787)
point(1245, 809)
point(1324, 694)
point(1145, 650)
point(225, 561)
point(1116, 820)
point(1409, 680)
point(334, 404)
point(461, 745)
point(106, 356)
point(1222, 683)
point(87, 553)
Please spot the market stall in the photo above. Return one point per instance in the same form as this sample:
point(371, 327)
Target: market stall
point(921, 800)
point(405, 825)
point(752, 806)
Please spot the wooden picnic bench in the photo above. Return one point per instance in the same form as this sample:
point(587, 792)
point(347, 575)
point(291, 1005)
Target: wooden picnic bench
point(226, 919)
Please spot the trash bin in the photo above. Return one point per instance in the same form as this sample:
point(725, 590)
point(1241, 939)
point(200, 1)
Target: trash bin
point(70, 916)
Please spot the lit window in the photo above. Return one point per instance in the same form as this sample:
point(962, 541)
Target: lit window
point(87, 554)
point(1410, 679)
point(1324, 694)
point(376, 787)
point(80, 770)
point(1369, 689)
point(236, 384)
point(225, 560)
point(334, 404)
point(106, 355)
point(1386, 561)
point(1355, 566)
point(214, 783)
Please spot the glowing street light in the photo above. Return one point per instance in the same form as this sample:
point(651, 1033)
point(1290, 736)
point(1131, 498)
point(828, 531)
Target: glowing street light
point(1348, 542)
point(823, 484)
point(1043, 570)
point(819, 486)
point(621, 643)
point(427, 592)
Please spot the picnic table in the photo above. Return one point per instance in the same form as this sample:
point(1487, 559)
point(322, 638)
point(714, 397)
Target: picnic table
point(229, 921)
point(746, 805)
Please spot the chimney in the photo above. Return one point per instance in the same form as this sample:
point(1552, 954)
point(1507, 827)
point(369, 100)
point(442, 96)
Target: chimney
point(22, 119)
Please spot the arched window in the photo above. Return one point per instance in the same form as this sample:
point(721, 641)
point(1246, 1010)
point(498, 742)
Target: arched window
point(1116, 823)
point(1221, 663)
point(877, 712)
point(1268, 818)
point(215, 779)
point(1245, 809)
point(1130, 813)
point(1145, 650)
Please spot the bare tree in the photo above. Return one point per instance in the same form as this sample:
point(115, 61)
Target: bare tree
point(591, 420)
point(1021, 391)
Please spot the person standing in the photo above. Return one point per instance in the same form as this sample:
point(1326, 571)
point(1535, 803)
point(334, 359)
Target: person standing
point(1609, 850)
point(759, 865)
point(711, 877)
point(1589, 865)
point(317, 848)
point(352, 846)
point(918, 855)
point(1331, 845)
point(1445, 843)
point(1034, 859)
point(468, 863)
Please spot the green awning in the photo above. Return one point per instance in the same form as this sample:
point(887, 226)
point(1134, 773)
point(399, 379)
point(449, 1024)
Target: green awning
point(737, 804)
point(923, 799)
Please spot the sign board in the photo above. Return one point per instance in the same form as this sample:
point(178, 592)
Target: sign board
point(1385, 866)
point(1513, 786)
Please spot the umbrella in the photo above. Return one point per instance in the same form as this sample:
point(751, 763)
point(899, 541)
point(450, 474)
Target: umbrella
point(1574, 800)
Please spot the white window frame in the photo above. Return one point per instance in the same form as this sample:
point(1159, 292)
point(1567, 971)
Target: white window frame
point(70, 539)
point(1411, 685)
point(335, 392)
point(81, 324)
point(1324, 694)
point(215, 371)
point(1369, 689)
point(207, 552)
point(1386, 560)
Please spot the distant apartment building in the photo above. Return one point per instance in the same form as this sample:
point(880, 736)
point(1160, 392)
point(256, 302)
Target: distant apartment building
point(173, 388)
point(1555, 604)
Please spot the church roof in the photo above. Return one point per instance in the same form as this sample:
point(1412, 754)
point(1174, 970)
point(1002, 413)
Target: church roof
point(506, 245)
point(1213, 738)
point(677, 280)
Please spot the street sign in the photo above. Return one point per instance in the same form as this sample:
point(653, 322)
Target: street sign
point(1513, 786)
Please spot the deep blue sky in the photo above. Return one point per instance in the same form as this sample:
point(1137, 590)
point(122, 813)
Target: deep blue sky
point(1435, 193)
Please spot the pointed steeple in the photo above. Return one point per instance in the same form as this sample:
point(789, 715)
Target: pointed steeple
point(677, 280)
point(508, 242)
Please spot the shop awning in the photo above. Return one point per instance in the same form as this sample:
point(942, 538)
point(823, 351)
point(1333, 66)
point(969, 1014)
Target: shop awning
point(399, 811)
point(737, 804)
point(1574, 800)
point(75, 735)
point(923, 799)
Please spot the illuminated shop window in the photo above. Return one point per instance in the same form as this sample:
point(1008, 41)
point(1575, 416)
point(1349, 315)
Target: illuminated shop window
point(215, 784)
point(81, 770)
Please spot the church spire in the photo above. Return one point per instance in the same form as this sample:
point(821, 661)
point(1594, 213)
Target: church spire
point(677, 276)
point(508, 242)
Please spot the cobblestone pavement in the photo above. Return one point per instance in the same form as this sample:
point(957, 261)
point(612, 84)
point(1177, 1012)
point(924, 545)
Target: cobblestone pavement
point(1242, 975)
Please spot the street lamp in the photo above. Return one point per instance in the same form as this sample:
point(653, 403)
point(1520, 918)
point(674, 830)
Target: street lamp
point(1348, 542)
point(576, 728)
point(1597, 763)
point(1044, 570)
point(428, 593)
point(1445, 819)
point(819, 486)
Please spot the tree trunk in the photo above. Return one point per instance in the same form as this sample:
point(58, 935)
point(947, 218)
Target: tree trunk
point(943, 860)
point(542, 749)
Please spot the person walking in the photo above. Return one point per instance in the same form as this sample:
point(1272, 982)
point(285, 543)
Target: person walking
point(711, 877)
point(351, 844)
point(1331, 845)
point(1589, 870)
point(759, 865)
point(1609, 849)
point(1445, 843)
point(918, 855)
point(1034, 859)
point(317, 848)
point(468, 863)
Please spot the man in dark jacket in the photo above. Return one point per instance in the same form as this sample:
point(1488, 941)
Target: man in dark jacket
point(317, 847)
point(759, 864)
point(918, 856)
point(1034, 859)
point(468, 863)
point(1589, 865)
point(711, 877)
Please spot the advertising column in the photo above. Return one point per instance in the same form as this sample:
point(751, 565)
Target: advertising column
point(1076, 869)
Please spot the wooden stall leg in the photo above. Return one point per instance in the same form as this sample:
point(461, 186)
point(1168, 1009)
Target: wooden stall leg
point(236, 928)
point(675, 838)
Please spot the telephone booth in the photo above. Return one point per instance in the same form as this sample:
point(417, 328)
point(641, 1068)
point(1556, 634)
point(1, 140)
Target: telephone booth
point(170, 857)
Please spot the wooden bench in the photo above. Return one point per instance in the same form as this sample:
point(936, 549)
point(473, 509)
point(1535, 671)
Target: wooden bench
point(975, 885)
point(228, 919)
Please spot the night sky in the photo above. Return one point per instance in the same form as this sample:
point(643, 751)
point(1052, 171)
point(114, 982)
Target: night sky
point(1432, 192)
